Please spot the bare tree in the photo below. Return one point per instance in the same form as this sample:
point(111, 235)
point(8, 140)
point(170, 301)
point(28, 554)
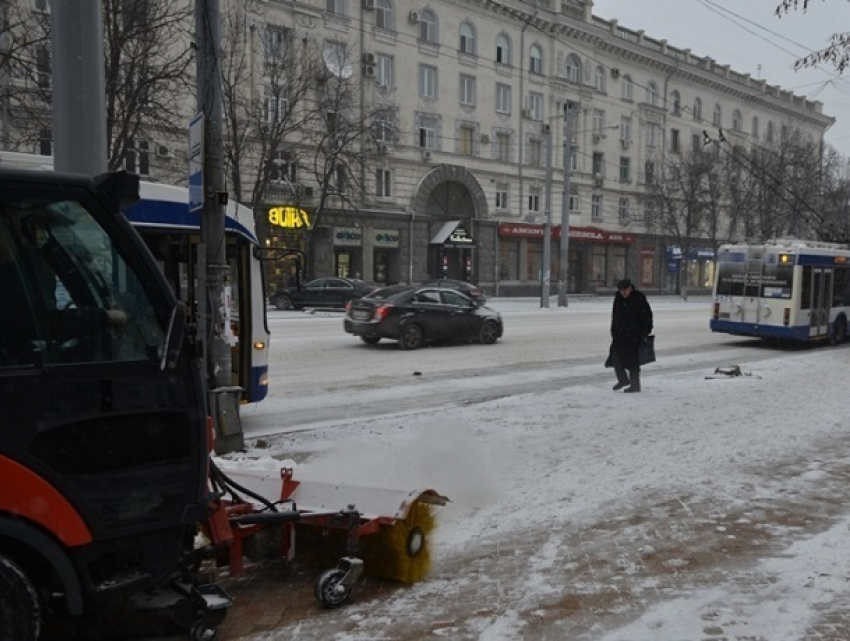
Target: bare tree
point(837, 53)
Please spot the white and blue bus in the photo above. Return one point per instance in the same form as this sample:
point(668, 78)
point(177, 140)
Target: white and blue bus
point(788, 290)
point(173, 234)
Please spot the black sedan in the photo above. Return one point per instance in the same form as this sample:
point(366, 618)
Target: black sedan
point(322, 292)
point(473, 291)
point(414, 316)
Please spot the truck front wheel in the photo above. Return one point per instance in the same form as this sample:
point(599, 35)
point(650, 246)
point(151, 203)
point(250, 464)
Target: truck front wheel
point(20, 614)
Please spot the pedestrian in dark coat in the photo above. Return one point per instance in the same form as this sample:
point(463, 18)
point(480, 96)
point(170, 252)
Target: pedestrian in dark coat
point(631, 323)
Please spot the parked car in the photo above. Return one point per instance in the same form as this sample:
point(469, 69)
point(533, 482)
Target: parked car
point(417, 315)
point(473, 291)
point(322, 292)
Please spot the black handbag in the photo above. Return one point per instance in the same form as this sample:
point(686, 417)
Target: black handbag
point(646, 354)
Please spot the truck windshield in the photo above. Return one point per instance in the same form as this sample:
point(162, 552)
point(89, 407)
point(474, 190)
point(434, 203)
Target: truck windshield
point(66, 293)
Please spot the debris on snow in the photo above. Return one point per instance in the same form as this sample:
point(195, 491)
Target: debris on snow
point(730, 372)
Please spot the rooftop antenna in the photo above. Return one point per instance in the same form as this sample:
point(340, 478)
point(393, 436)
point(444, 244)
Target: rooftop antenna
point(759, 71)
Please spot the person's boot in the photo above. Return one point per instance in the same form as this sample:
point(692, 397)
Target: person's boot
point(620, 385)
point(634, 375)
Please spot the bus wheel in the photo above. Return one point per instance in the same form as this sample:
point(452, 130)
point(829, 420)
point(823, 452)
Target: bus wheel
point(20, 614)
point(839, 331)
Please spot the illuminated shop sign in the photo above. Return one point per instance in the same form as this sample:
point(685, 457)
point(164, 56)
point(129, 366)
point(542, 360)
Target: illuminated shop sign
point(386, 238)
point(290, 218)
point(347, 236)
point(460, 237)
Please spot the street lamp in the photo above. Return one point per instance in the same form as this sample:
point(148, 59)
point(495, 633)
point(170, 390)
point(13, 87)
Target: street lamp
point(564, 257)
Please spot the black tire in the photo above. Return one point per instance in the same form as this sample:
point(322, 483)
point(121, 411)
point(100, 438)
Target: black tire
point(20, 612)
point(370, 340)
point(283, 302)
point(839, 332)
point(328, 590)
point(489, 333)
point(412, 337)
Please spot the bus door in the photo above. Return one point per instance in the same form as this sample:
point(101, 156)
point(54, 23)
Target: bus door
point(821, 301)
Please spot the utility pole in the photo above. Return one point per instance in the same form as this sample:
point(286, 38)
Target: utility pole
point(564, 257)
point(214, 284)
point(545, 271)
point(79, 95)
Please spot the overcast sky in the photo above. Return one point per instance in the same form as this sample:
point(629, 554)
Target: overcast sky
point(749, 36)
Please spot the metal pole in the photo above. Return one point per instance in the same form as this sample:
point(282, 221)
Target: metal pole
point(224, 399)
point(78, 85)
point(564, 258)
point(545, 275)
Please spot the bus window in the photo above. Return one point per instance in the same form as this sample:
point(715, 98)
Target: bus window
point(806, 289)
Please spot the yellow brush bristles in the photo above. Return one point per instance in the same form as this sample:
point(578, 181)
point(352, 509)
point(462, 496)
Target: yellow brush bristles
point(400, 552)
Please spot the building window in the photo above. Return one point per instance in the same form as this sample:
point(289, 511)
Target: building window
point(384, 72)
point(600, 79)
point(649, 213)
point(623, 210)
point(503, 147)
point(598, 164)
point(651, 134)
point(427, 81)
point(503, 49)
point(427, 27)
point(626, 130)
point(696, 141)
point(769, 132)
point(467, 90)
point(697, 109)
point(384, 127)
point(274, 45)
point(598, 122)
point(503, 99)
point(137, 157)
point(596, 207)
point(755, 132)
point(536, 60)
point(674, 141)
point(336, 7)
point(736, 120)
point(467, 39)
point(428, 132)
point(465, 141)
point(676, 99)
point(535, 105)
point(383, 183)
point(627, 88)
point(384, 17)
point(625, 169)
point(652, 94)
point(534, 153)
point(572, 69)
point(649, 172)
point(283, 168)
point(574, 199)
point(45, 142)
point(275, 105)
point(501, 195)
point(42, 64)
point(717, 116)
point(534, 200)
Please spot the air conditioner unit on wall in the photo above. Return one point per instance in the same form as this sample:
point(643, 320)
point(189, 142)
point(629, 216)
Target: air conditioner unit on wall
point(413, 16)
point(546, 128)
point(597, 137)
point(368, 58)
point(598, 180)
point(625, 143)
point(426, 154)
point(163, 152)
point(615, 73)
point(485, 138)
point(369, 5)
point(369, 71)
point(527, 113)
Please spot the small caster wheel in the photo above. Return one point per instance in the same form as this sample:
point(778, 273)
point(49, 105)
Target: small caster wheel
point(329, 589)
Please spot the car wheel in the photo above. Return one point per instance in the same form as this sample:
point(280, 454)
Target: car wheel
point(283, 302)
point(412, 337)
point(489, 333)
point(370, 340)
point(20, 611)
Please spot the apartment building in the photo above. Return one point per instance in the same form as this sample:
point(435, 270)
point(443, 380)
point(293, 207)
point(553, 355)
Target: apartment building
point(475, 166)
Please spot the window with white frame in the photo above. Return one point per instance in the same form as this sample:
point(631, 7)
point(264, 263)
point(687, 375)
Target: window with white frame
point(535, 58)
point(467, 90)
point(275, 104)
point(427, 81)
point(626, 130)
point(696, 142)
point(466, 140)
point(575, 203)
point(467, 38)
point(717, 116)
point(598, 164)
point(274, 44)
point(755, 132)
point(676, 101)
point(651, 134)
point(626, 88)
point(623, 210)
point(283, 168)
point(596, 207)
point(501, 196)
point(334, 54)
point(534, 199)
point(535, 104)
point(336, 7)
point(503, 98)
point(503, 49)
point(428, 132)
point(769, 136)
point(572, 69)
point(340, 179)
point(383, 183)
point(384, 127)
point(697, 109)
point(503, 146)
point(625, 169)
point(384, 15)
point(535, 155)
point(600, 79)
point(598, 122)
point(384, 71)
point(649, 212)
point(137, 157)
point(736, 120)
point(428, 27)
point(652, 94)
point(42, 67)
point(649, 172)
point(675, 142)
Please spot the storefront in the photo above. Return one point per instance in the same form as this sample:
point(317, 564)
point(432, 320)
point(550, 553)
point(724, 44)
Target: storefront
point(451, 252)
point(696, 270)
point(386, 259)
point(286, 245)
point(348, 252)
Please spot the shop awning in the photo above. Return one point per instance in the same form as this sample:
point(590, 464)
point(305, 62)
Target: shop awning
point(445, 231)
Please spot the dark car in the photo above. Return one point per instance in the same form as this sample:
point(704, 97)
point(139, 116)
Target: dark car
point(322, 292)
point(473, 291)
point(417, 315)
